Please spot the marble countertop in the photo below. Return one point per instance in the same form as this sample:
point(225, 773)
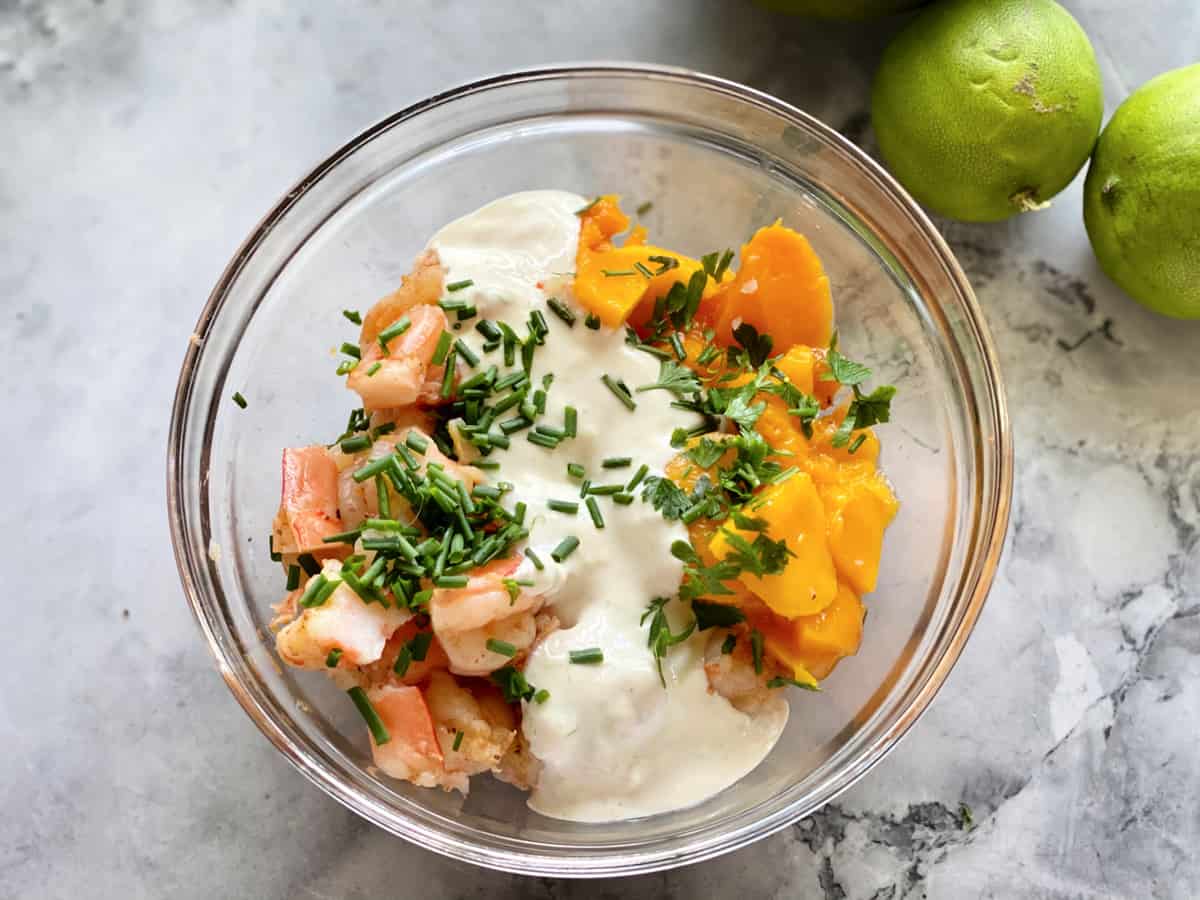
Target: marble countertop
point(141, 139)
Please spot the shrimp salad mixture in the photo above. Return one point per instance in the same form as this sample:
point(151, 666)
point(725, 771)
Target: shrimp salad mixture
point(601, 505)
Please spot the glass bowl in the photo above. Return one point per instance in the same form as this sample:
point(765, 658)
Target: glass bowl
point(717, 160)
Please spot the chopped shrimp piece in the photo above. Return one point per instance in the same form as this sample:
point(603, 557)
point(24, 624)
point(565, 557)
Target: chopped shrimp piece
point(465, 619)
point(308, 506)
point(401, 376)
point(422, 286)
point(732, 675)
point(518, 766)
point(412, 752)
point(360, 630)
point(486, 734)
point(419, 670)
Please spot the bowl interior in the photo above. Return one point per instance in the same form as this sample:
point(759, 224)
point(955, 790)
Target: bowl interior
point(716, 163)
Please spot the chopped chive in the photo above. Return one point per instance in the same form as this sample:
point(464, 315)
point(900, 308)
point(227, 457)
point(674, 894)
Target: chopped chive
point(374, 723)
point(416, 441)
point(469, 355)
point(643, 271)
point(644, 208)
point(419, 645)
point(519, 512)
point(355, 443)
point(708, 354)
point(309, 564)
point(312, 593)
point(858, 442)
point(293, 578)
point(504, 648)
point(539, 401)
point(565, 548)
point(593, 509)
point(729, 644)
point(590, 656)
point(623, 499)
point(498, 440)
point(346, 366)
point(351, 350)
point(677, 346)
point(448, 375)
point(443, 347)
point(459, 285)
point(570, 421)
point(403, 661)
point(621, 394)
point(585, 487)
point(592, 321)
point(451, 581)
point(375, 367)
point(278, 557)
point(394, 330)
point(541, 696)
point(550, 431)
point(561, 310)
point(371, 469)
point(458, 736)
point(641, 473)
point(515, 424)
point(605, 490)
point(616, 462)
point(343, 537)
point(488, 330)
point(239, 399)
point(563, 506)
point(617, 273)
point(512, 379)
point(488, 464)
point(537, 323)
point(352, 315)
point(486, 492)
point(383, 498)
point(331, 661)
point(535, 559)
point(575, 470)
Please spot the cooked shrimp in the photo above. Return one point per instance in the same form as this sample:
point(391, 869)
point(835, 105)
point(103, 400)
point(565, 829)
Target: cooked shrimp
point(732, 675)
point(487, 728)
point(308, 506)
point(465, 619)
point(343, 622)
point(423, 286)
point(403, 373)
point(383, 670)
point(412, 752)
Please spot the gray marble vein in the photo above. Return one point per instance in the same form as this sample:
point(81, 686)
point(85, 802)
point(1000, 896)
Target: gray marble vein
point(141, 139)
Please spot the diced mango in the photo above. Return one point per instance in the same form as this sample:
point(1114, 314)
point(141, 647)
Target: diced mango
point(812, 645)
point(857, 513)
point(781, 289)
point(797, 365)
point(794, 513)
point(614, 297)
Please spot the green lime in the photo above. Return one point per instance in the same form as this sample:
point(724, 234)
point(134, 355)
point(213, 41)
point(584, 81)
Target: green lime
point(842, 9)
point(987, 108)
point(1141, 200)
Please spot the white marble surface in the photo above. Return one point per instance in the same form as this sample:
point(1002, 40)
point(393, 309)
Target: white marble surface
point(140, 140)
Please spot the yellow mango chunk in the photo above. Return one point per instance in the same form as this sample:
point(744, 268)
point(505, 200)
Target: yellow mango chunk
point(614, 297)
point(810, 646)
point(797, 364)
point(857, 513)
point(794, 513)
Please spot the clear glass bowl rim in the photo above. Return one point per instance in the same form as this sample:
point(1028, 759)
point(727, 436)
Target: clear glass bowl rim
point(979, 568)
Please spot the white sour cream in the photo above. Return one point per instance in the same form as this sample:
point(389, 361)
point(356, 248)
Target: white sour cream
point(614, 744)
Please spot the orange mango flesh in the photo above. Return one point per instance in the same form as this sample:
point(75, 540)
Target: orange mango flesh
point(834, 510)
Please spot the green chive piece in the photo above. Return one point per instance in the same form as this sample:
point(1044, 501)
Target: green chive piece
point(371, 469)
point(451, 581)
point(346, 366)
point(308, 563)
point(590, 656)
point(592, 321)
point(443, 347)
point(616, 462)
point(416, 441)
point(561, 310)
point(375, 367)
point(583, 488)
point(570, 421)
point(374, 723)
point(351, 350)
point(489, 330)
point(606, 490)
point(352, 315)
point(315, 587)
point(575, 470)
point(448, 376)
point(355, 443)
point(541, 696)
point(515, 424)
point(617, 273)
point(293, 579)
point(239, 399)
point(459, 285)
point(331, 661)
point(458, 738)
point(593, 509)
point(394, 330)
point(565, 547)
point(535, 559)
point(519, 512)
point(858, 442)
point(623, 499)
point(621, 394)
point(644, 208)
point(641, 473)
point(403, 661)
point(730, 643)
point(563, 506)
point(504, 648)
point(469, 356)
point(419, 645)
point(343, 537)
point(677, 346)
point(278, 557)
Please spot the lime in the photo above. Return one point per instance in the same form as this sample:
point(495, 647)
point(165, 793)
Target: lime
point(842, 9)
point(1141, 200)
point(987, 108)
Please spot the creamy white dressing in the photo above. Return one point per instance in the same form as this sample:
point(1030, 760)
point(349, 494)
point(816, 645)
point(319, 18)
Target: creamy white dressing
point(613, 742)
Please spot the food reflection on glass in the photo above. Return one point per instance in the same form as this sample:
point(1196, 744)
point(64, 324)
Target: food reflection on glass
point(601, 506)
